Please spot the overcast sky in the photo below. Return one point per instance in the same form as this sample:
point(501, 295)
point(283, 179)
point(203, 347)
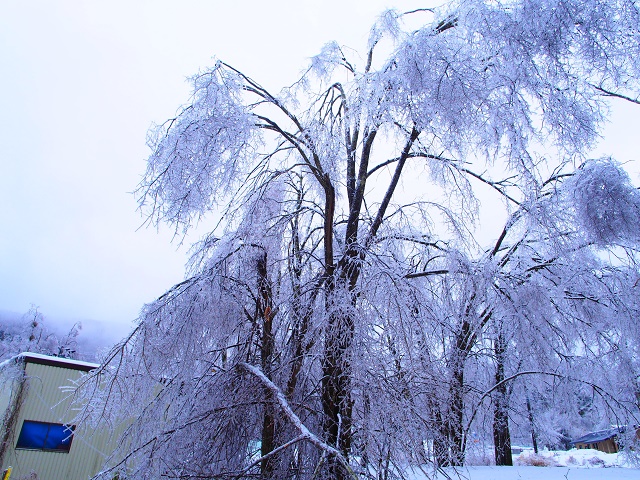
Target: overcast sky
point(80, 84)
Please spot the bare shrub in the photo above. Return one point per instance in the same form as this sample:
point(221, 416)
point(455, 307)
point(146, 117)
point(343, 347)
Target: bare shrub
point(536, 461)
point(596, 462)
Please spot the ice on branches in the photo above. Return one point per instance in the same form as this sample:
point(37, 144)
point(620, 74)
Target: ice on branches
point(202, 155)
point(607, 205)
point(482, 77)
point(343, 319)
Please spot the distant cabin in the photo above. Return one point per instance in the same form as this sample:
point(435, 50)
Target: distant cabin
point(604, 440)
point(36, 435)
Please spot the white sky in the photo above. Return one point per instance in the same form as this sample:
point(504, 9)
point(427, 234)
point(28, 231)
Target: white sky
point(80, 84)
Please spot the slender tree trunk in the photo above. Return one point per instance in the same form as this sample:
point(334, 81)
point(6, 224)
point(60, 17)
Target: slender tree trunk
point(301, 314)
point(501, 434)
point(456, 416)
point(265, 310)
point(364, 447)
point(337, 402)
point(534, 436)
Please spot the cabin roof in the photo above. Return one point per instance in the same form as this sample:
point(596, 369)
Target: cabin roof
point(599, 436)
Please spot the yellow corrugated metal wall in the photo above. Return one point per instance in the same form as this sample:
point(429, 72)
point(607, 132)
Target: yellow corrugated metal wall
point(45, 401)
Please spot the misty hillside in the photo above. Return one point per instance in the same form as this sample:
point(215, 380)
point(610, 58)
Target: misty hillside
point(92, 337)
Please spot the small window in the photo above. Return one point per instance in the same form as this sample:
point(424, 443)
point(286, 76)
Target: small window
point(53, 437)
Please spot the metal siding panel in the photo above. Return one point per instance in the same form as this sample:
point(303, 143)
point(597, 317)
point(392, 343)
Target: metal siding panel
point(46, 402)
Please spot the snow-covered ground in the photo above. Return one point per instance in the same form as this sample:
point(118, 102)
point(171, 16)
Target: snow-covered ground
point(540, 473)
point(549, 465)
point(587, 458)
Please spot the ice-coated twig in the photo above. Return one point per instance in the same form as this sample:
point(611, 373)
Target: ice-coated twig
point(305, 433)
point(273, 452)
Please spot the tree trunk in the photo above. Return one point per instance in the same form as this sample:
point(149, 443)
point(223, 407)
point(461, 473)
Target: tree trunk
point(448, 445)
point(534, 436)
point(449, 449)
point(441, 449)
point(337, 404)
point(456, 417)
point(264, 309)
point(501, 434)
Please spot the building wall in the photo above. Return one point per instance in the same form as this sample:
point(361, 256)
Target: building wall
point(43, 400)
point(607, 446)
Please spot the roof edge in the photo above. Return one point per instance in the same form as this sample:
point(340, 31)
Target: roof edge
point(59, 362)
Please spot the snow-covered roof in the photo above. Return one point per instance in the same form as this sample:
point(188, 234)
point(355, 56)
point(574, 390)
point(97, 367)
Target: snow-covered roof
point(599, 436)
point(60, 362)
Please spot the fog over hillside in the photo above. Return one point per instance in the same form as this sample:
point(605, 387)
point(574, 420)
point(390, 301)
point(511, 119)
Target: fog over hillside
point(95, 336)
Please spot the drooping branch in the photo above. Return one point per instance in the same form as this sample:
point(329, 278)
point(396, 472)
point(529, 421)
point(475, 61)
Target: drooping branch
point(493, 184)
point(271, 454)
point(293, 418)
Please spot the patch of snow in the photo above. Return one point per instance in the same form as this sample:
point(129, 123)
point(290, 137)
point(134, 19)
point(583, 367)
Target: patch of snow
point(574, 458)
point(574, 464)
point(537, 473)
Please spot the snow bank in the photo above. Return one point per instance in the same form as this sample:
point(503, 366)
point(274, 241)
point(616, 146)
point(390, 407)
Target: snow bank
point(574, 458)
point(587, 464)
point(538, 473)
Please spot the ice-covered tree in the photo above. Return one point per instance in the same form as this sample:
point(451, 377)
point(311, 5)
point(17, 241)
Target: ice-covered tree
point(303, 343)
point(30, 333)
point(539, 302)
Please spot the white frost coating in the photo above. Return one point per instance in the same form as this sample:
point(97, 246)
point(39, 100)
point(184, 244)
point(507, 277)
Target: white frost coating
point(386, 25)
point(60, 360)
point(32, 334)
point(367, 304)
point(9, 362)
point(327, 60)
point(607, 204)
point(484, 80)
point(200, 156)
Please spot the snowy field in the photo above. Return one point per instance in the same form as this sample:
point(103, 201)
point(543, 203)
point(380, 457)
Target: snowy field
point(541, 473)
point(549, 465)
